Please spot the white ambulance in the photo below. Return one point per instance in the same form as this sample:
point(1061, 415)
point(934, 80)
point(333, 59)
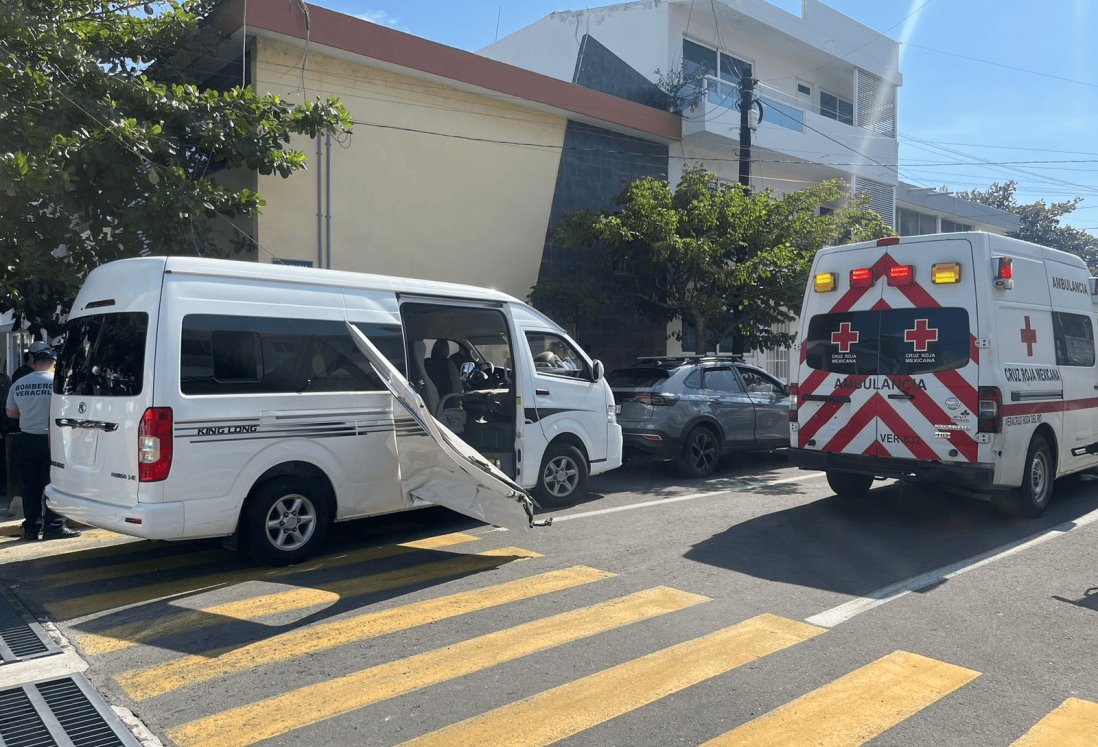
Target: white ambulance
point(205, 398)
point(961, 359)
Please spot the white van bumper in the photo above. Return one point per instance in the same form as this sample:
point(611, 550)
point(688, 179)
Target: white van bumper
point(161, 521)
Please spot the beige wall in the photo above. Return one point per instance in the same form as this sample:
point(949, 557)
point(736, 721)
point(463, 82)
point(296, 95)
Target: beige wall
point(408, 203)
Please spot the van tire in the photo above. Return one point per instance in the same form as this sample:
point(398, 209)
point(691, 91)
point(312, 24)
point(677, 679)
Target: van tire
point(1031, 499)
point(286, 499)
point(849, 484)
point(701, 451)
point(563, 474)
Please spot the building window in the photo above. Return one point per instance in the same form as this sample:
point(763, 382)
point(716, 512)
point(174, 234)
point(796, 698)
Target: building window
point(722, 72)
point(913, 223)
point(949, 226)
point(837, 108)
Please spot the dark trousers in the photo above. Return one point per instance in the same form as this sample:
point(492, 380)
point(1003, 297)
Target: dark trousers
point(32, 459)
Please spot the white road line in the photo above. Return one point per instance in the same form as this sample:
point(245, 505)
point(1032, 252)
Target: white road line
point(855, 607)
point(739, 483)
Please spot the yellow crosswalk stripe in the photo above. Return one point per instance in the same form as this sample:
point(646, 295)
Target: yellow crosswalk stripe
point(280, 714)
point(184, 621)
point(70, 607)
point(856, 707)
point(136, 567)
point(1074, 723)
point(193, 670)
point(569, 709)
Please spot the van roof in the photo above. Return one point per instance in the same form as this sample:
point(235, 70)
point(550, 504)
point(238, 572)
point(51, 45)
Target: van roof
point(1015, 246)
point(227, 268)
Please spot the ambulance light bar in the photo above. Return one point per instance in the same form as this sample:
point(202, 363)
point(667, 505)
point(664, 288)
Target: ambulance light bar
point(862, 278)
point(901, 275)
point(1004, 273)
point(824, 282)
point(945, 273)
point(888, 241)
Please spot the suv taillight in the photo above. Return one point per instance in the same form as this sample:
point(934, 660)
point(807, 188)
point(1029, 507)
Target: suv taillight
point(792, 403)
point(990, 413)
point(154, 444)
point(656, 400)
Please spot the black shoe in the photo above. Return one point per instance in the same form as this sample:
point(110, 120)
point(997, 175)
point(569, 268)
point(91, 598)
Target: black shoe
point(62, 533)
point(28, 537)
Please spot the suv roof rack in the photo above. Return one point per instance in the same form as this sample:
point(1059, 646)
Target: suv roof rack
point(690, 357)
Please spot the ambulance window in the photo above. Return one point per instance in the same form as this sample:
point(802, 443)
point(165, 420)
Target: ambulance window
point(1074, 334)
point(890, 342)
point(843, 343)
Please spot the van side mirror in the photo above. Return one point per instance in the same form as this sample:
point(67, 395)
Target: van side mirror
point(596, 371)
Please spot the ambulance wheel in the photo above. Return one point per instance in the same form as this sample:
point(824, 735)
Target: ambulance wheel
point(1030, 500)
point(700, 453)
point(563, 474)
point(286, 520)
point(848, 484)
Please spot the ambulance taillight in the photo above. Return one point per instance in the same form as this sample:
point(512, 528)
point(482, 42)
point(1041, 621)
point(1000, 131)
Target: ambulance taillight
point(901, 275)
point(989, 416)
point(792, 403)
point(861, 278)
point(1004, 273)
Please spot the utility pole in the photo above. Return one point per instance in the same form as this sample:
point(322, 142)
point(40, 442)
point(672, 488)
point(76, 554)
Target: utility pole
point(747, 103)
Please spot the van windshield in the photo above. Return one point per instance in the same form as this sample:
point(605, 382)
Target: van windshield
point(889, 342)
point(103, 356)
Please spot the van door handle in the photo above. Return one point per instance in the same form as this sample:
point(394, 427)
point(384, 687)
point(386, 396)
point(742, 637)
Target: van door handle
point(95, 425)
point(544, 392)
point(901, 396)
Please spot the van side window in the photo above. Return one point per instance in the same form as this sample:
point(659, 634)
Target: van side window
point(221, 354)
point(1074, 336)
point(555, 356)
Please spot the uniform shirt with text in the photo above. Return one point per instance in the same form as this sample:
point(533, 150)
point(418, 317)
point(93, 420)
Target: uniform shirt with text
point(31, 397)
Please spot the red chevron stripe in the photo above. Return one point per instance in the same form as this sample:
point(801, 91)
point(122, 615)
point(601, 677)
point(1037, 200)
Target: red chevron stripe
point(935, 415)
point(825, 413)
point(911, 440)
point(854, 425)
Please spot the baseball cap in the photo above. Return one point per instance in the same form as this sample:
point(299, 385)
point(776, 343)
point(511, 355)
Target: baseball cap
point(38, 346)
point(45, 354)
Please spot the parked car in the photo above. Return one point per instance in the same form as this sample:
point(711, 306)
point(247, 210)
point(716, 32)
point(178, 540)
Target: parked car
point(692, 409)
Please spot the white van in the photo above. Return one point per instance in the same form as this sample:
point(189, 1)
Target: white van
point(205, 398)
point(962, 359)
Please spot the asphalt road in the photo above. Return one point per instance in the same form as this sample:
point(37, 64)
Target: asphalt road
point(752, 608)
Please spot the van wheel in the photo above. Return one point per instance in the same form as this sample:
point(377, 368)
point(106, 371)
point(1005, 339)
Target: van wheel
point(563, 473)
point(1030, 499)
point(700, 453)
point(286, 520)
point(848, 484)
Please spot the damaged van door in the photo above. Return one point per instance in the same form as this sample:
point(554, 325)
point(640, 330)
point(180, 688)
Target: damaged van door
point(442, 468)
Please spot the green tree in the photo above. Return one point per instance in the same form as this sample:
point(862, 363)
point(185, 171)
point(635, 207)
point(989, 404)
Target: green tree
point(109, 149)
point(729, 262)
point(1040, 222)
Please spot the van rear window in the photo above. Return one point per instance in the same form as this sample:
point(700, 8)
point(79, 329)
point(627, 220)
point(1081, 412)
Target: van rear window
point(103, 356)
point(889, 342)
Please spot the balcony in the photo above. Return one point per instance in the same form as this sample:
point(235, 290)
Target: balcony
point(790, 133)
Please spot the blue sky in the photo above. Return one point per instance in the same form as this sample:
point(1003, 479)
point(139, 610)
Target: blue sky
point(993, 89)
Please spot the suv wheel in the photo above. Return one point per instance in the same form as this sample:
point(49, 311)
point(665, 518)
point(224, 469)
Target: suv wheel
point(700, 453)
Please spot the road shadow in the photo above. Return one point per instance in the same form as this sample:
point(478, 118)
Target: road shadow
point(660, 480)
point(856, 546)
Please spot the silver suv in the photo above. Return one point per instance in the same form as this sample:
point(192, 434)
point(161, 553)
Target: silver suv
point(693, 409)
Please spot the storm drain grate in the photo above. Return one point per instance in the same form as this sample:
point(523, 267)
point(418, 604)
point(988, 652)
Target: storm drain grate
point(19, 639)
point(59, 713)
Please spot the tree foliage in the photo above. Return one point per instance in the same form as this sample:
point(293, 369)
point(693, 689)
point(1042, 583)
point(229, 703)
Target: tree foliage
point(729, 262)
point(108, 149)
point(1040, 222)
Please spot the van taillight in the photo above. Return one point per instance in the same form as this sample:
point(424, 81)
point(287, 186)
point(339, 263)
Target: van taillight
point(792, 403)
point(990, 414)
point(154, 444)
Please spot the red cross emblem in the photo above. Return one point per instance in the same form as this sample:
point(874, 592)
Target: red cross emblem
point(845, 337)
point(922, 334)
point(1029, 337)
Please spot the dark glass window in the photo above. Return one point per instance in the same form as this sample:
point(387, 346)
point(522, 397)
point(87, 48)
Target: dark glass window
point(833, 107)
point(892, 342)
point(723, 380)
point(697, 58)
point(951, 226)
point(1074, 335)
point(260, 355)
point(103, 356)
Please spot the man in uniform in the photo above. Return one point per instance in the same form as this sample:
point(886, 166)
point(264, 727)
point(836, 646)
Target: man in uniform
point(29, 401)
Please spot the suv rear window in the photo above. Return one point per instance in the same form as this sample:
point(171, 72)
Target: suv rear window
point(889, 342)
point(103, 356)
point(637, 378)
